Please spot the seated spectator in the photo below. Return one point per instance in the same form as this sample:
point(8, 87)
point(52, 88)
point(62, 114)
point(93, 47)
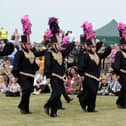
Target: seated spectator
point(109, 75)
point(41, 84)
point(73, 82)
point(115, 86)
point(13, 88)
point(68, 85)
point(103, 86)
point(3, 87)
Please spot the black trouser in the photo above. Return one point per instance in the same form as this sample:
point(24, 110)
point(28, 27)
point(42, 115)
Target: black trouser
point(121, 101)
point(26, 84)
point(24, 102)
point(54, 101)
point(65, 95)
point(88, 96)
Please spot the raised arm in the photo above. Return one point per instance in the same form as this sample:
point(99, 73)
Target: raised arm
point(68, 49)
point(105, 53)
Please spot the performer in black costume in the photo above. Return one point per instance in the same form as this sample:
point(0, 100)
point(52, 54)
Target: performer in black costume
point(55, 70)
point(89, 69)
point(119, 67)
point(24, 70)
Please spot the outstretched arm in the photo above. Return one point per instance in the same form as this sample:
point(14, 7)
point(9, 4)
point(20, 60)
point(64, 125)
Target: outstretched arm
point(105, 54)
point(68, 49)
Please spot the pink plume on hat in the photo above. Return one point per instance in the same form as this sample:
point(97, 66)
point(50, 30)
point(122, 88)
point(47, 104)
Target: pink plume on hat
point(88, 30)
point(123, 34)
point(53, 19)
point(84, 24)
point(121, 26)
point(90, 35)
point(26, 25)
point(122, 29)
point(65, 40)
point(87, 26)
point(48, 34)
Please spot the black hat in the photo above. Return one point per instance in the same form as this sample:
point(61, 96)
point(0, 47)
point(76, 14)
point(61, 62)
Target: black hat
point(89, 42)
point(122, 41)
point(82, 38)
point(54, 39)
point(24, 38)
point(53, 25)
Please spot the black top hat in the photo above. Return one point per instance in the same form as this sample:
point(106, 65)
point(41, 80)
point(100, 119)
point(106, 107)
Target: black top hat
point(24, 38)
point(89, 42)
point(82, 38)
point(54, 39)
point(122, 41)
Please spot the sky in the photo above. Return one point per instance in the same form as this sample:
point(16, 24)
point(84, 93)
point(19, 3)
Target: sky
point(70, 13)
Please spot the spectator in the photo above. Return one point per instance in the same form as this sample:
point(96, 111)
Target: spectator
point(41, 84)
point(115, 86)
point(73, 83)
point(3, 34)
point(103, 86)
point(71, 36)
point(3, 87)
point(13, 88)
point(16, 36)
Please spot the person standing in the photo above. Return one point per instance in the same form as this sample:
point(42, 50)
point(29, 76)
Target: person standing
point(3, 34)
point(119, 66)
point(89, 69)
point(6, 47)
point(15, 37)
point(24, 70)
point(55, 71)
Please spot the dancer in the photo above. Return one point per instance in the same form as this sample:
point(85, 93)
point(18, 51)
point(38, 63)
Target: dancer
point(89, 69)
point(119, 66)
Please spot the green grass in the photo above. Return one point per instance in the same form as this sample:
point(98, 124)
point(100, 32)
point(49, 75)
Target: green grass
point(108, 114)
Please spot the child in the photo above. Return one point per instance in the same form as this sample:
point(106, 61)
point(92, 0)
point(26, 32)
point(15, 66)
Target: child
point(2, 84)
point(13, 88)
point(41, 84)
point(115, 86)
point(3, 87)
point(103, 86)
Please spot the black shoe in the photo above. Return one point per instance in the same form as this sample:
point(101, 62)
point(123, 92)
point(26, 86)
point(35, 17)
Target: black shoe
point(24, 112)
point(84, 108)
point(92, 111)
point(121, 106)
point(46, 110)
point(62, 108)
point(71, 99)
point(53, 115)
point(29, 113)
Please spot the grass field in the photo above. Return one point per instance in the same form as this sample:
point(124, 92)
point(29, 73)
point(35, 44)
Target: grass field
point(108, 114)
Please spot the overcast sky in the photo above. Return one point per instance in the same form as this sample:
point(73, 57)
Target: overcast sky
point(71, 14)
